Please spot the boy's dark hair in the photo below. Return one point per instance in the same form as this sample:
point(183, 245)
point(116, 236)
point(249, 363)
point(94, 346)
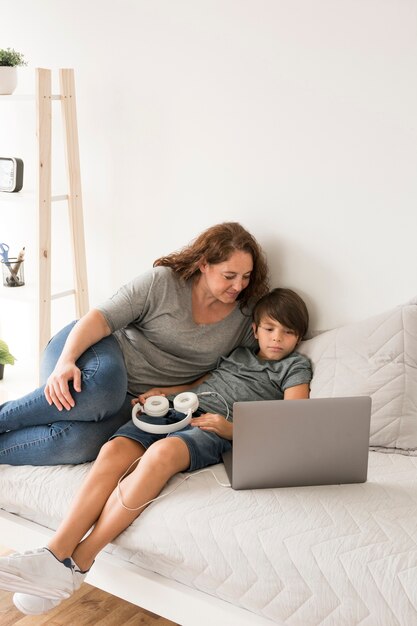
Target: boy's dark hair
point(285, 306)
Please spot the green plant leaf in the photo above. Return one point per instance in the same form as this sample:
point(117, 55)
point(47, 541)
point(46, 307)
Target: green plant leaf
point(11, 58)
point(5, 357)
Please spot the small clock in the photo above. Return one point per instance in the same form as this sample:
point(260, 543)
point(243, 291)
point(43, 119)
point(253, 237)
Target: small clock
point(11, 174)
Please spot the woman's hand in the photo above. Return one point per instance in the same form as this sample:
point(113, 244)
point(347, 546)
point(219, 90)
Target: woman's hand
point(214, 423)
point(87, 331)
point(57, 390)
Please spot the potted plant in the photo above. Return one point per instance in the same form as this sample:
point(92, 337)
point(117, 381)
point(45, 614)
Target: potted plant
point(9, 61)
point(5, 357)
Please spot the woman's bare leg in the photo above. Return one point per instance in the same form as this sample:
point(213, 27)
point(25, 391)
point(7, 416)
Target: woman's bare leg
point(113, 460)
point(161, 461)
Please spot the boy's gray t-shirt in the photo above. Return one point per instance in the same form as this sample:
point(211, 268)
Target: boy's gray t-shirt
point(151, 318)
point(242, 377)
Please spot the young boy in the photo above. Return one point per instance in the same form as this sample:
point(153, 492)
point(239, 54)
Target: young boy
point(273, 371)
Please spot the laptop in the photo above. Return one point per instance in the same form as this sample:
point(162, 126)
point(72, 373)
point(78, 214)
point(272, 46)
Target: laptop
point(290, 443)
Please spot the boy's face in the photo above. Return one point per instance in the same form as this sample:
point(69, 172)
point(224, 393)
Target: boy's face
point(275, 340)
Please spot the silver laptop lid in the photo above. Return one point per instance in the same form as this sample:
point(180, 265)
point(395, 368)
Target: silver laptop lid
point(288, 443)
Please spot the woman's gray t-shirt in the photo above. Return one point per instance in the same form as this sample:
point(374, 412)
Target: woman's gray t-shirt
point(152, 320)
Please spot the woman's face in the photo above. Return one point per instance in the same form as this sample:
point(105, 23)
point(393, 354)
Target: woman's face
point(226, 280)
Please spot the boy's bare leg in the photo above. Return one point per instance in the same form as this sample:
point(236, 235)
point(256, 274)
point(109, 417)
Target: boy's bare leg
point(161, 461)
point(113, 460)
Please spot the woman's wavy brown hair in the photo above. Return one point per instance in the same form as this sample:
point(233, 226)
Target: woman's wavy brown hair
point(216, 245)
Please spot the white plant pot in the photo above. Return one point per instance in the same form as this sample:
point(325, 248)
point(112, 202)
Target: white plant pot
point(8, 80)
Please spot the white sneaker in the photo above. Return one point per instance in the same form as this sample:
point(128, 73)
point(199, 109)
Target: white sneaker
point(36, 605)
point(40, 573)
point(33, 605)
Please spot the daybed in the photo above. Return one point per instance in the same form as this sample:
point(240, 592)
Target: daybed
point(331, 555)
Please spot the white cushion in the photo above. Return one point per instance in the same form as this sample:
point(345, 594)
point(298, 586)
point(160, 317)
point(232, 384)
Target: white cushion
point(375, 357)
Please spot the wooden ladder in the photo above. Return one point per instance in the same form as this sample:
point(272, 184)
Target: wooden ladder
point(45, 199)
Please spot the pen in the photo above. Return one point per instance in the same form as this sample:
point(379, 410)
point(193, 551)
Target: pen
point(14, 271)
point(19, 259)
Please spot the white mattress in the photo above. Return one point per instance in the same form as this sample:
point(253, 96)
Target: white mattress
point(333, 555)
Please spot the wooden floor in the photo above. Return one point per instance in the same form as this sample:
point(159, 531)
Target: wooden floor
point(87, 607)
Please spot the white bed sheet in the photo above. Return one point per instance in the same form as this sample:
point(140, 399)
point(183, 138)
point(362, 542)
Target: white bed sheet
point(329, 555)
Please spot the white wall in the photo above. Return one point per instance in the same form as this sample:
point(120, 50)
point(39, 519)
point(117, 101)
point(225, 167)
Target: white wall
point(296, 118)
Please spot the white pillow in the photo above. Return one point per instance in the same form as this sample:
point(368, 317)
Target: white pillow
point(376, 357)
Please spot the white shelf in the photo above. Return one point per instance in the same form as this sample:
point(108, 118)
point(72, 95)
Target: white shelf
point(16, 97)
point(25, 293)
point(28, 195)
point(22, 97)
point(19, 196)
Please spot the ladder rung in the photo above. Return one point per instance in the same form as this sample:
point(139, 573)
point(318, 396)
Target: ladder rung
point(59, 198)
point(63, 294)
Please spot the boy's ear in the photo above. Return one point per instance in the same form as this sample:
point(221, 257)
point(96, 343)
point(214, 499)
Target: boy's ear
point(255, 330)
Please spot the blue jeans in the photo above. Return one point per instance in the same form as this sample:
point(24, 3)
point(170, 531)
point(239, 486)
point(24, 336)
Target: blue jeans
point(205, 448)
point(34, 433)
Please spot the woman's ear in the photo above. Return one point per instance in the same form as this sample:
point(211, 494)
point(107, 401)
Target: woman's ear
point(203, 266)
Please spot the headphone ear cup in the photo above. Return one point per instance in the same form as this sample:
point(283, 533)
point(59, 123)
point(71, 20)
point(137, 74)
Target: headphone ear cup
point(186, 402)
point(156, 406)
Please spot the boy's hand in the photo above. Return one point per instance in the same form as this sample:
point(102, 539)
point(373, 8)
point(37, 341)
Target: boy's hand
point(155, 391)
point(215, 423)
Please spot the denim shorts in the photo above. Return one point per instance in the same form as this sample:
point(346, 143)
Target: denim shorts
point(205, 448)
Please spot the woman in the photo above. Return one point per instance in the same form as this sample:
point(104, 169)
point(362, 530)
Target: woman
point(112, 496)
point(166, 327)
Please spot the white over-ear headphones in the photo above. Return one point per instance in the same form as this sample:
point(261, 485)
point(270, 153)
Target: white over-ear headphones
point(158, 406)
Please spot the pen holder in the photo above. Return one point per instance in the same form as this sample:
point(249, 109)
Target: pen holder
point(13, 273)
